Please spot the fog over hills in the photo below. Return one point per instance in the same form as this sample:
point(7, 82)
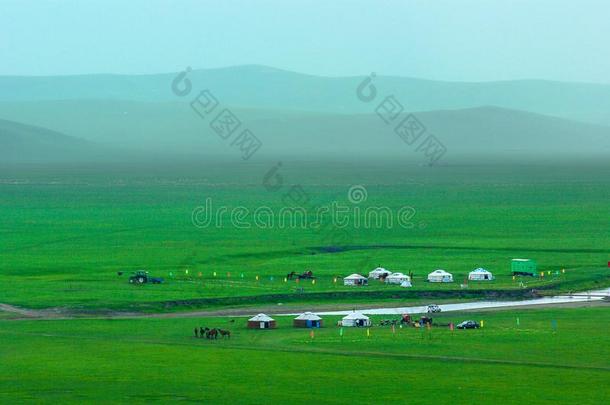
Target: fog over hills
point(269, 88)
point(295, 115)
point(20, 143)
point(486, 133)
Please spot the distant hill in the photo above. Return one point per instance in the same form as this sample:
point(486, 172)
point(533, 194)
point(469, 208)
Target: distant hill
point(20, 143)
point(268, 88)
point(173, 128)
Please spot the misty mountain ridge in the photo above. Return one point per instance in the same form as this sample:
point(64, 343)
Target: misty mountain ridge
point(82, 127)
point(275, 89)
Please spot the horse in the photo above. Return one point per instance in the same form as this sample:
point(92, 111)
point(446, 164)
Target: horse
point(212, 334)
point(290, 275)
point(225, 333)
point(196, 330)
point(203, 331)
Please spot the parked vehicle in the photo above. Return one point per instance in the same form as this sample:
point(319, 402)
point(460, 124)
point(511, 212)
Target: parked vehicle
point(142, 277)
point(468, 325)
point(425, 320)
point(523, 267)
point(433, 308)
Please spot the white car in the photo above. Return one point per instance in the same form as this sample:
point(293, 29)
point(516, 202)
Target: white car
point(433, 308)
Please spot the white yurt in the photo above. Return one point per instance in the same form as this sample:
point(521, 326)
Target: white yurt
point(480, 274)
point(378, 273)
point(307, 320)
point(406, 284)
point(440, 276)
point(261, 321)
point(397, 278)
point(355, 319)
point(355, 279)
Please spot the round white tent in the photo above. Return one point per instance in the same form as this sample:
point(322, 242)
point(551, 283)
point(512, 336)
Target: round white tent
point(355, 319)
point(378, 273)
point(440, 276)
point(355, 279)
point(397, 278)
point(480, 274)
point(261, 321)
point(307, 320)
point(406, 284)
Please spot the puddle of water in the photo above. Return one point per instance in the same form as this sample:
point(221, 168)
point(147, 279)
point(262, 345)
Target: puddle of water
point(561, 299)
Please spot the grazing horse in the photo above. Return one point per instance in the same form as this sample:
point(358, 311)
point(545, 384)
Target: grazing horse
point(203, 331)
point(212, 334)
point(225, 333)
point(196, 332)
point(290, 275)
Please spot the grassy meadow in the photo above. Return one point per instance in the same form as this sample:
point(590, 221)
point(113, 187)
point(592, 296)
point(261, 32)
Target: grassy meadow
point(139, 360)
point(64, 237)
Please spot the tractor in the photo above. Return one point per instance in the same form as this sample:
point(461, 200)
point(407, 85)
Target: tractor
point(305, 276)
point(142, 277)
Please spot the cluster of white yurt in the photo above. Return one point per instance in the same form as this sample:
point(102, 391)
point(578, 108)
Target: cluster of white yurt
point(355, 279)
point(480, 274)
point(397, 278)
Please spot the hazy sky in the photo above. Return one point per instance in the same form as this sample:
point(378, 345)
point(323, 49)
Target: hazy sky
point(437, 39)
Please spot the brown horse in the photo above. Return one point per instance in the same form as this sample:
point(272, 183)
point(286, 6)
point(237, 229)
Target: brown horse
point(225, 333)
point(212, 334)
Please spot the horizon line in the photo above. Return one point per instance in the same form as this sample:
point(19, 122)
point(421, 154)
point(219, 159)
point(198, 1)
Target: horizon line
point(294, 72)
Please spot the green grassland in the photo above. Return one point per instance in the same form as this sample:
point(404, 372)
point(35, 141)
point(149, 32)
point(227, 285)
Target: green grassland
point(64, 236)
point(138, 360)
